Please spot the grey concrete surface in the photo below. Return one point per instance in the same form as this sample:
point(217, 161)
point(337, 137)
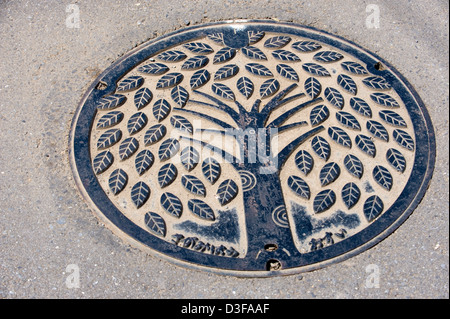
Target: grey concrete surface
point(45, 67)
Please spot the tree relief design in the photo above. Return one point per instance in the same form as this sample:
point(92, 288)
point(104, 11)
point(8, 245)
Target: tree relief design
point(252, 130)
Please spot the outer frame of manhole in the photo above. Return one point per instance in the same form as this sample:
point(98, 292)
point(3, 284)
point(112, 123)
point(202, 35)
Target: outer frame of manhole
point(290, 238)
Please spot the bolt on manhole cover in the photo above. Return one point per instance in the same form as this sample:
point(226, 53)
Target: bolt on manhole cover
point(252, 148)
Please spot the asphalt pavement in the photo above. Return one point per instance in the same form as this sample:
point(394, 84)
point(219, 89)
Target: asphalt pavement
point(51, 244)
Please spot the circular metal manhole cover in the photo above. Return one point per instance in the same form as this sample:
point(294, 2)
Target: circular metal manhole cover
point(252, 148)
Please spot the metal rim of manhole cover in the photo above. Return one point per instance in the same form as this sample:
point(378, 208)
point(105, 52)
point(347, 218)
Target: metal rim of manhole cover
point(252, 148)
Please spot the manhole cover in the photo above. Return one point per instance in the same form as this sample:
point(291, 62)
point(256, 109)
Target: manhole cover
point(252, 148)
